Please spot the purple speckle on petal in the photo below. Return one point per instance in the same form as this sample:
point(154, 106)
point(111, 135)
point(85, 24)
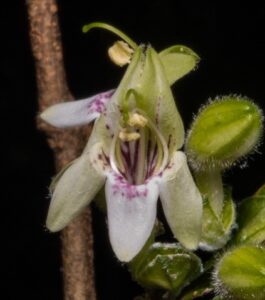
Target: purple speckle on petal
point(128, 190)
point(98, 104)
point(159, 99)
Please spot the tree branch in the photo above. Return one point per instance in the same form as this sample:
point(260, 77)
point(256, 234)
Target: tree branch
point(77, 238)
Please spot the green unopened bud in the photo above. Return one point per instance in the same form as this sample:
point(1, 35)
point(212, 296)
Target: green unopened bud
point(240, 274)
point(251, 219)
point(216, 229)
point(224, 131)
point(167, 266)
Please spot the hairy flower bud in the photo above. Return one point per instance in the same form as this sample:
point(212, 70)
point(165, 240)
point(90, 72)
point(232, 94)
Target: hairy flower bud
point(240, 273)
point(224, 131)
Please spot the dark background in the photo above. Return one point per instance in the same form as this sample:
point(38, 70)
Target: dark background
point(230, 41)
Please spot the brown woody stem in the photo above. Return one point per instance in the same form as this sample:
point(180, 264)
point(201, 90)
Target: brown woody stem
point(77, 238)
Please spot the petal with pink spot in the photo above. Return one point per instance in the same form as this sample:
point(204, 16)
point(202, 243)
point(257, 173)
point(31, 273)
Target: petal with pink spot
point(79, 112)
point(131, 214)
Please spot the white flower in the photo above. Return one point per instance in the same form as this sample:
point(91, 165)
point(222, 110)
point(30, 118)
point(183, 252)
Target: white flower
point(133, 150)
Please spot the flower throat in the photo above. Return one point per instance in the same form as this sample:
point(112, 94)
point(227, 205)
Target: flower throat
point(139, 150)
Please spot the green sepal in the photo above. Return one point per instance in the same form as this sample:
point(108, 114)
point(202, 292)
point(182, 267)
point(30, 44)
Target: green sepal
point(216, 230)
point(240, 273)
point(224, 131)
point(251, 219)
point(210, 184)
point(178, 61)
point(202, 286)
point(166, 266)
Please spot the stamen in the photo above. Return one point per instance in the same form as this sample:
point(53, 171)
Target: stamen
point(127, 136)
point(161, 142)
point(141, 161)
point(116, 31)
point(137, 120)
point(120, 53)
point(138, 154)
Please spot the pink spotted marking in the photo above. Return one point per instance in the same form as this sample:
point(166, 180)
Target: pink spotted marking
point(98, 104)
point(128, 190)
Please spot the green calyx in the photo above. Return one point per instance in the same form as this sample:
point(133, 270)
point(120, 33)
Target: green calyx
point(251, 219)
point(166, 266)
point(224, 131)
point(216, 228)
point(240, 273)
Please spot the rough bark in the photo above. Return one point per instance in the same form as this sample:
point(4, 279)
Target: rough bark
point(77, 238)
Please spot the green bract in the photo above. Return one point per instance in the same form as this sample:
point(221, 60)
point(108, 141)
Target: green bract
point(224, 131)
point(251, 219)
point(167, 266)
point(240, 273)
point(216, 229)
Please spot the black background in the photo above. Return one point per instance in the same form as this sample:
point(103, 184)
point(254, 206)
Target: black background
point(229, 39)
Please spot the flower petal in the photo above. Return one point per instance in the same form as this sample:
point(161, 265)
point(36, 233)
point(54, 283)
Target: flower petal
point(178, 61)
point(131, 214)
point(157, 101)
point(74, 190)
point(147, 79)
point(75, 113)
point(182, 202)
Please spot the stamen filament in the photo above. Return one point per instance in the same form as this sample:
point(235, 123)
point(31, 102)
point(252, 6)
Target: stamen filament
point(114, 30)
point(141, 162)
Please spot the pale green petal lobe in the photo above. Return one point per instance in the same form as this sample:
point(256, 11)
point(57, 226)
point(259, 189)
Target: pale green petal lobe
point(74, 191)
point(182, 202)
point(178, 61)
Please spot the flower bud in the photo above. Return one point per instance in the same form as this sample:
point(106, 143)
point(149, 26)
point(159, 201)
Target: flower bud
point(166, 266)
point(240, 273)
point(251, 219)
point(224, 131)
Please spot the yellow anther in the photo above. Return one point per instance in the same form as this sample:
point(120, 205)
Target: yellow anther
point(137, 120)
point(120, 53)
point(126, 136)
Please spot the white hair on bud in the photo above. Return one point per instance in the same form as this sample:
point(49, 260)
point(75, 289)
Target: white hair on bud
point(203, 164)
